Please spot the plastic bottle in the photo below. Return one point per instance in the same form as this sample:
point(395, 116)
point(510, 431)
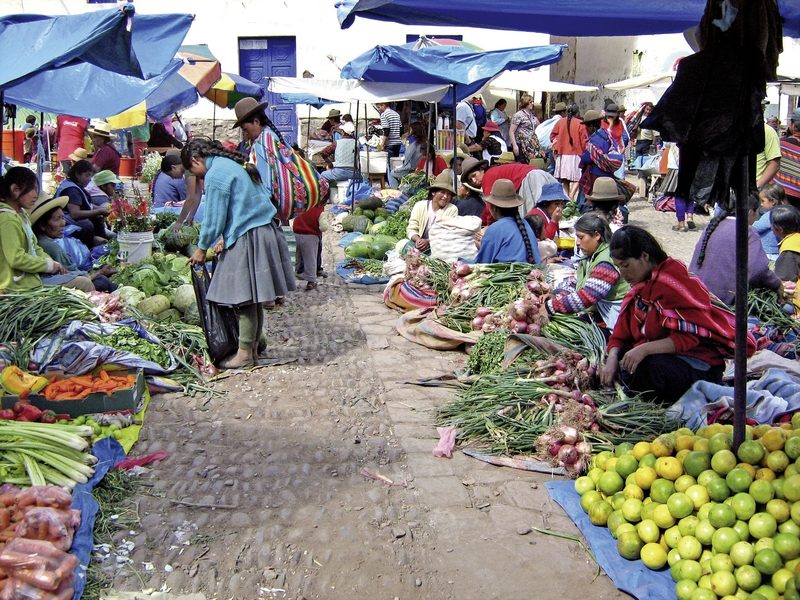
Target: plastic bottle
point(440, 122)
point(446, 122)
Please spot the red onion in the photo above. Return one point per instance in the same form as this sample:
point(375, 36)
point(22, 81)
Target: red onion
point(488, 327)
point(587, 400)
point(595, 426)
point(483, 311)
point(462, 269)
point(554, 448)
point(477, 323)
point(553, 398)
point(519, 326)
point(570, 434)
point(584, 448)
point(576, 395)
point(534, 329)
point(567, 455)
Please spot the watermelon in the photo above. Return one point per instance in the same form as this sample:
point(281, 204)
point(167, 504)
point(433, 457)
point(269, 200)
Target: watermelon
point(378, 250)
point(347, 222)
point(379, 219)
point(366, 239)
point(360, 223)
point(381, 212)
point(370, 214)
point(358, 211)
point(358, 250)
point(384, 239)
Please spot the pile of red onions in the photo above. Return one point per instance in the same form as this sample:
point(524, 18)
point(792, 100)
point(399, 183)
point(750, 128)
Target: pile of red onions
point(527, 314)
point(566, 371)
point(417, 272)
point(565, 447)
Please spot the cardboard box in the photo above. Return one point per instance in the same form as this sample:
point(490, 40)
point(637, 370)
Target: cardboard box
point(97, 402)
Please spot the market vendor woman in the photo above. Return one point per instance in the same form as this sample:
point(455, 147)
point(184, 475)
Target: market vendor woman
point(509, 238)
point(438, 206)
point(671, 331)
point(22, 260)
point(598, 284)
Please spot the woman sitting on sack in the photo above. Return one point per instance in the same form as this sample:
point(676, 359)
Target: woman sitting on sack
point(509, 238)
point(671, 330)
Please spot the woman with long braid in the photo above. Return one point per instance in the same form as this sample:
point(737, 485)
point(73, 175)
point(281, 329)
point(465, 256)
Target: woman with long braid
point(509, 238)
point(714, 259)
point(238, 216)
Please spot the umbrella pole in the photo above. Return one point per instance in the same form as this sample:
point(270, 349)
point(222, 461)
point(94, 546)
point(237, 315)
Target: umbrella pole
point(214, 121)
point(2, 126)
point(308, 132)
point(455, 137)
point(740, 355)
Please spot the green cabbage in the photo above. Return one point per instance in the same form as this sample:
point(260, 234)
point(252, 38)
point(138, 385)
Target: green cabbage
point(184, 297)
point(129, 295)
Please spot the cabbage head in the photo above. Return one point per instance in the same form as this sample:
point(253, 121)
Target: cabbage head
point(129, 295)
point(184, 297)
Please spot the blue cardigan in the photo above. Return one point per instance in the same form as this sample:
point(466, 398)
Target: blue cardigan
point(503, 243)
point(234, 204)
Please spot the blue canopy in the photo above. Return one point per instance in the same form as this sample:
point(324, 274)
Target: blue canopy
point(468, 69)
point(86, 88)
point(113, 40)
point(565, 17)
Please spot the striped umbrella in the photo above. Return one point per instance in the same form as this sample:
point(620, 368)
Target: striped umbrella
point(231, 88)
point(200, 71)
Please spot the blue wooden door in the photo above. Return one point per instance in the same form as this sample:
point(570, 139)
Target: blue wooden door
point(260, 58)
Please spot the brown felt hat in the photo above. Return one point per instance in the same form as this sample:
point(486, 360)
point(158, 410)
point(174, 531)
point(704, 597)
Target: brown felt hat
point(470, 165)
point(443, 181)
point(592, 115)
point(504, 194)
point(559, 107)
point(604, 190)
point(246, 107)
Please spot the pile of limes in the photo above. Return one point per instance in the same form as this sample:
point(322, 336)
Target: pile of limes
point(726, 524)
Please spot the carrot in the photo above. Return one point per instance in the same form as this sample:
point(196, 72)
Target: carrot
point(104, 375)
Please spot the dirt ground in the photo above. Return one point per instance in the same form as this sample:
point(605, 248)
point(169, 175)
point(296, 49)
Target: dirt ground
point(270, 492)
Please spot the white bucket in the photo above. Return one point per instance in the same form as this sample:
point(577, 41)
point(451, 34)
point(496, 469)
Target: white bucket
point(339, 191)
point(134, 247)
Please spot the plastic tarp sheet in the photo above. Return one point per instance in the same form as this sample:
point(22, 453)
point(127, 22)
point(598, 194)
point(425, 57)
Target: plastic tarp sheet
point(530, 81)
point(108, 452)
point(642, 82)
point(35, 44)
point(566, 17)
point(351, 90)
point(468, 69)
point(348, 274)
point(630, 576)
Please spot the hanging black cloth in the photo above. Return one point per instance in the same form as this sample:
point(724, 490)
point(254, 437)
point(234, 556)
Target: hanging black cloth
point(713, 109)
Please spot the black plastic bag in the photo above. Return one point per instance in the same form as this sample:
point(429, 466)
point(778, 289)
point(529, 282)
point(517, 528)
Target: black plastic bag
point(220, 323)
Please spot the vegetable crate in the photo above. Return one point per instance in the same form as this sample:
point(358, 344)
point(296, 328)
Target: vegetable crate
point(98, 402)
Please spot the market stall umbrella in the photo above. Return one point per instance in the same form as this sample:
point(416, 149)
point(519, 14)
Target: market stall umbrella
point(330, 91)
point(530, 81)
point(198, 71)
point(566, 17)
point(231, 88)
point(78, 49)
point(425, 41)
point(464, 68)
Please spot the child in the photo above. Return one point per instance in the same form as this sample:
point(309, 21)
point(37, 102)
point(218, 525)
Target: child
point(785, 221)
point(771, 195)
point(308, 236)
point(547, 248)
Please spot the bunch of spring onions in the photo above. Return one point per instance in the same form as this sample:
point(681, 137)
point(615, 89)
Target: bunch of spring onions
point(27, 317)
point(427, 273)
point(763, 304)
point(580, 335)
point(45, 454)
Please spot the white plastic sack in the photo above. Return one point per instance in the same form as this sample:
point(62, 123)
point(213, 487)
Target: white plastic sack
point(394, 264)
point(454, 238)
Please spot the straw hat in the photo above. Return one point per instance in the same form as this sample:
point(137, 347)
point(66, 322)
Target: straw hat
point(334, 112)
point(44, 204)
point(592, 115)
point(470, 165)
point(504, 195)
point(105, 176)
point(552, 192)
point(79, 154)
point(246, 107)
point(102, 129)
point(559, 107)
point(491, 126)
point(604, 190)
point(443, 181)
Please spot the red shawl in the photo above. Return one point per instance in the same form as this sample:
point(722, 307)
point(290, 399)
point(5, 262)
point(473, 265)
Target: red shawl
point(674, 301)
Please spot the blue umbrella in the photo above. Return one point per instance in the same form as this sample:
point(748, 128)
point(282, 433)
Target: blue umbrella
point(467, 69)
point(565, 17)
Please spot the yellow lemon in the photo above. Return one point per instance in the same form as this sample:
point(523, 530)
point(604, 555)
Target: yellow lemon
point(640, 449)
point(669, 467)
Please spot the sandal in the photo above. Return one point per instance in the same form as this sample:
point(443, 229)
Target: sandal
point(691, 225)
point(232, 363)
point(679, 228)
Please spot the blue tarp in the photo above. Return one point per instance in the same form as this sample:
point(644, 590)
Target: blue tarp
point(108, 452)
point(565, 17)
point(88, 85)
point(36, 43)
point(630, 576)
point(467, 68)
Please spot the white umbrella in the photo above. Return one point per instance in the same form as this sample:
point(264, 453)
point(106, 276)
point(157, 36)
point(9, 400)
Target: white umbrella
point(533, 81)
point(642, 81)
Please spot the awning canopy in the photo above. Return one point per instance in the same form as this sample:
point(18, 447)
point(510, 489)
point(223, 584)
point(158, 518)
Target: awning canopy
point(468, 69)
point(302, 90)
point(642, 81)
point(36, 43)
point(90, 87)
point(528, 81)
point(565, 17)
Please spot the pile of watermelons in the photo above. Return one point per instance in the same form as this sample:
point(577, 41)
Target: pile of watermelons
point(371, 246)
point(368, 213)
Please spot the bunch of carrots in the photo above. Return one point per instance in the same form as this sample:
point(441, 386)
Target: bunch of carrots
point(76, 388)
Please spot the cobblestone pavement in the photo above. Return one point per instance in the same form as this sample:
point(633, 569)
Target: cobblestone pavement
point(262, 495)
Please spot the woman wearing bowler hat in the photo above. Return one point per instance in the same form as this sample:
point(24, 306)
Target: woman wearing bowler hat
point(438, 207)
point(549, 207)
point(509, 238)
point(492, 144)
